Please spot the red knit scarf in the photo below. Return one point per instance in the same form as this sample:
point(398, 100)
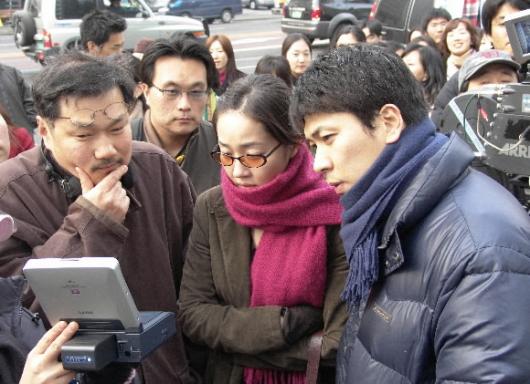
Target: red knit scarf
point(222, 77)
point(289, 265)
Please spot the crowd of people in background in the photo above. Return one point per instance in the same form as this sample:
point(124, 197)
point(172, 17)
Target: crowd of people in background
point(315, 194)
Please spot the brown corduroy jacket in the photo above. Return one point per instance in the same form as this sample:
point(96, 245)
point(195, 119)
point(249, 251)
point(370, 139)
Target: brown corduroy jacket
point(215, 295)
point(149, 245)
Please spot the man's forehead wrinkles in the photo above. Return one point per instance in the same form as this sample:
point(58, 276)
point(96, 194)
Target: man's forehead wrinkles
point(79, 102)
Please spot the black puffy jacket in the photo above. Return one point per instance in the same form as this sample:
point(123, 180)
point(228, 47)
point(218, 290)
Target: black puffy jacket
point(454, 303)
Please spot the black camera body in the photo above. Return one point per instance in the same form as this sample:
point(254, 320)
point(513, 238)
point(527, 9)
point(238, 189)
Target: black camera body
point(495, 120)
point(92, 350)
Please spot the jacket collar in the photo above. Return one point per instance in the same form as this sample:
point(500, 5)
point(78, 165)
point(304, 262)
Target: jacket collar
point(445, 169)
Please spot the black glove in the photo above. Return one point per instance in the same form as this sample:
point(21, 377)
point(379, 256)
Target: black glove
point(300, 321)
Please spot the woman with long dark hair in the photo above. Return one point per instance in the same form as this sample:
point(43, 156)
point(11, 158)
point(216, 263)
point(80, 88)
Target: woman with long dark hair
point(427, 66)
point(277, 66)
point(348, 35)
point(222, 53)
point(296, 48)
point(265, 264)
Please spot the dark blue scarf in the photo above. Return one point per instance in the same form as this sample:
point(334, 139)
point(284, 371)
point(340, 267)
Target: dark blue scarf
point(371, 199)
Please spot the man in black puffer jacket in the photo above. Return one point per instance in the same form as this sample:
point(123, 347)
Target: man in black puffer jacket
point(439, 253)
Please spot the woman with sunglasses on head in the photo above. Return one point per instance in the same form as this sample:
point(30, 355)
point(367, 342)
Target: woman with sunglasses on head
point(265, 264)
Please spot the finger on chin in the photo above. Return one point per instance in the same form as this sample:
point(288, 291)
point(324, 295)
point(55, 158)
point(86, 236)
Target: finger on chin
point(113, 177)
point(86, 182)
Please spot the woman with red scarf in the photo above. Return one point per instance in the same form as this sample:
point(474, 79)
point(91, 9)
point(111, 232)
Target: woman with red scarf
point(223, 56)
point(265, 264)
point(222, 53)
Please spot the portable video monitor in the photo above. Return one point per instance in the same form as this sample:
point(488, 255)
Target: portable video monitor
point(89, 290)
point(518, 29)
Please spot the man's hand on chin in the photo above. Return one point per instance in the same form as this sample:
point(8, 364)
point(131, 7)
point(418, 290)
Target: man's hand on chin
point(109, 194)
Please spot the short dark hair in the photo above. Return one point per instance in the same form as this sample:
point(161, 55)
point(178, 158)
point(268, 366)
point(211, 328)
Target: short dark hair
point(491, 8)
point(79, 75)
point(264, 98)
point(292, 38)
point(352, 29)
point(277, 66)
point(435, 13)
point(131, 65)
point(374, 26)
point(98, 25)
point(424, 39)
point(391, 46)
point(183, 47)
point(357, 80)
point(128, 62)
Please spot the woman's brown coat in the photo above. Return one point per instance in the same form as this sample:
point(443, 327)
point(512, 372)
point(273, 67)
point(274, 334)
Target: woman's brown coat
point(215, 293)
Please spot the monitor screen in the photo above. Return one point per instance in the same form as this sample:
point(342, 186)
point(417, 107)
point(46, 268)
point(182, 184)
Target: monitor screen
point(518, 29)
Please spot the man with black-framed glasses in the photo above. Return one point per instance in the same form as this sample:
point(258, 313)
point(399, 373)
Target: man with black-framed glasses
point(177, 77)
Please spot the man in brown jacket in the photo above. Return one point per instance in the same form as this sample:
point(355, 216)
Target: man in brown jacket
point(90, 191)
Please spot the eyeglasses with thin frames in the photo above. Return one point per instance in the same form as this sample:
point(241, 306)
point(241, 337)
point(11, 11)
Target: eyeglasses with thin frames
point(174, 94)
point(249, 161)
point(86, 117)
